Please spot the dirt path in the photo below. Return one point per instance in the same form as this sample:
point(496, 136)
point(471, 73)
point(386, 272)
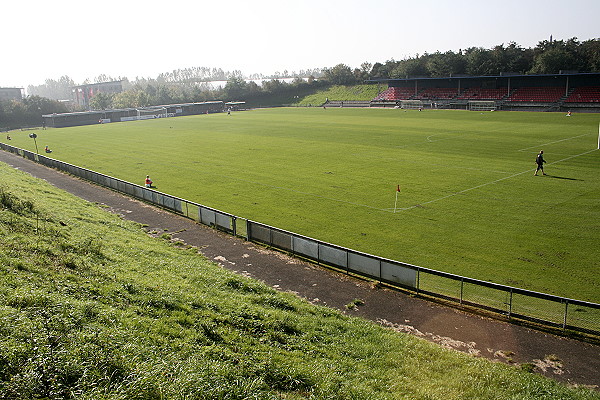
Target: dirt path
point(563, 359)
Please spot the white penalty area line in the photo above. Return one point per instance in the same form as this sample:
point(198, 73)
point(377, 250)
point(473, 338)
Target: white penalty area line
point(556, 141)
point(487, 183)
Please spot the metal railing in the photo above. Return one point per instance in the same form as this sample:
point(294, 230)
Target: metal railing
point(548, 310)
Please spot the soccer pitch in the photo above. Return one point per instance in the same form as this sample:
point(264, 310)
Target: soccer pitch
point(469, 203)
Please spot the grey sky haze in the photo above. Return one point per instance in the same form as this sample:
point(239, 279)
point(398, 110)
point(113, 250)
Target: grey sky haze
point(83, 39)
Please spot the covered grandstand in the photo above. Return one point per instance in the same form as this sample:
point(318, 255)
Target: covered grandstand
point(516, 92)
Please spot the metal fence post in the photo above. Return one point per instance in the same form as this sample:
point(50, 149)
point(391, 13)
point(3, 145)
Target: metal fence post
point(510, 303)
point(462, 284)
point(347, 262)
point(318, 253)
point(565, 316)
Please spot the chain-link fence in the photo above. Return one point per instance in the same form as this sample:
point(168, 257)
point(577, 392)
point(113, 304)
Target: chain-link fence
point(545, 309)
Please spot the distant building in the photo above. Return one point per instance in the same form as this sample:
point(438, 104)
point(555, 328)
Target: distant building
point(131, 114)
point(82, 94)
point(11, 94)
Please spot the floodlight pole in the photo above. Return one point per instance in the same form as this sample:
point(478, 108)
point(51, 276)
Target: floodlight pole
point(34, 136)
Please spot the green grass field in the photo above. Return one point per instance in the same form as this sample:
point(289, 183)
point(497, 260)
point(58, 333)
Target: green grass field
point(469, 203)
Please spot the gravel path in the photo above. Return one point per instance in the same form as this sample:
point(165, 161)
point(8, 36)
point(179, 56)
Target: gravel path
point(563, 359)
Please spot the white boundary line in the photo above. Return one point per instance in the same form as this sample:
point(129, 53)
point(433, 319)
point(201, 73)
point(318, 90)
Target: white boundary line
point(489, 183)
point(416, 205)
point(556, 141)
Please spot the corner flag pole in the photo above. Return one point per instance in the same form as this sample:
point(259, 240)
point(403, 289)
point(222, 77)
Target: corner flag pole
point(396, 202)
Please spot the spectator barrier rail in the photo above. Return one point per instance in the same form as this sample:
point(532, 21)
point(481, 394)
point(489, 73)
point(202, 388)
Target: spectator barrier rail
point(511, 302)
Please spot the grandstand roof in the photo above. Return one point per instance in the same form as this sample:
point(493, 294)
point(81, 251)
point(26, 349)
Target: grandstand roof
point(504, 75)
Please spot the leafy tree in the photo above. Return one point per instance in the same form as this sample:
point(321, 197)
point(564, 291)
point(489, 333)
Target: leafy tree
point(362, 74)
point(409, 67)
point(252, 89)
point(105, 78)
point(60, 89)
point(40, 105)
point(552, 56)
point(515, 58)
point(28, 112)
point(235, 88)
point(445, 64)
point(590, 52)
point(341, 74)
point(383, 71)
point(101, 101)
point(131, 98)
point(552, 61)
point(299, 82)
point(478, 61)
point(162, 96)
point(273, 86)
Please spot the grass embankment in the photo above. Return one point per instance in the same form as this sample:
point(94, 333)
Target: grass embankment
point(314, 97)
point(342, 93)
point(93, 308)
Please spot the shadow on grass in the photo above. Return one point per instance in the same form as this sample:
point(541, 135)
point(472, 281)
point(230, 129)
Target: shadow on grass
point(562, 177)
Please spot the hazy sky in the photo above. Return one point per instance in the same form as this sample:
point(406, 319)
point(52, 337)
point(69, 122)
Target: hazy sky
point(83, 39)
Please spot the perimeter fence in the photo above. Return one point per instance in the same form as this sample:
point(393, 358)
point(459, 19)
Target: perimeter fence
point(511, 302)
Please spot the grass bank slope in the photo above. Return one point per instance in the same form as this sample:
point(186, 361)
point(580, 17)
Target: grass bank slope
point(93, 308)
point(341, 93)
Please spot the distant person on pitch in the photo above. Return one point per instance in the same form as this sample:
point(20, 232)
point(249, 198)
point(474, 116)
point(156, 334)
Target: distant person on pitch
point(47, 150)
point(148, 181)
point(539, 160)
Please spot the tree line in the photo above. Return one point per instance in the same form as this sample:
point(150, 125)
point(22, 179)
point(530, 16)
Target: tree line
point(28, 112)
point(191, 84)
point(548, 57)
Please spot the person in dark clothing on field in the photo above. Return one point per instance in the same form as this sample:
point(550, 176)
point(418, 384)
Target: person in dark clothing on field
point(539, 160)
